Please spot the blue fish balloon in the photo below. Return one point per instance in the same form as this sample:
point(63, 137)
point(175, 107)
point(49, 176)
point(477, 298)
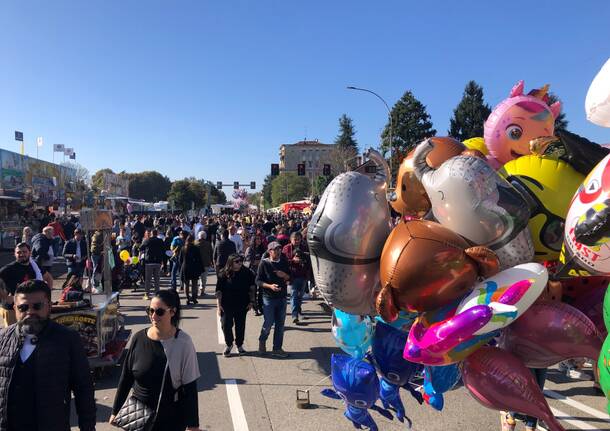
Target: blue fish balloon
point(438, 380)
point(356, 383)
point(352, 333)
point(395, 371)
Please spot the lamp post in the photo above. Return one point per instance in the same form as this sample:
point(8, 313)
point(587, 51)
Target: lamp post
point(391, 122)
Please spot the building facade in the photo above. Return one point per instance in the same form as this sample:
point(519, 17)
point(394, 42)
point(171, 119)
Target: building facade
point(313, 154)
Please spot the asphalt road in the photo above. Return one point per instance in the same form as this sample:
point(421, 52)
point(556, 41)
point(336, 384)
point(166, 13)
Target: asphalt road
point(259, 393)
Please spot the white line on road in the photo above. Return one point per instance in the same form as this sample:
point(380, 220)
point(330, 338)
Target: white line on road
point(221, 336)
point(237, 411)
point(577, 405)
point(572, 421)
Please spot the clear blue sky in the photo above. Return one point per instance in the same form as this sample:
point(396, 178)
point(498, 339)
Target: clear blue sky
point(212, 88)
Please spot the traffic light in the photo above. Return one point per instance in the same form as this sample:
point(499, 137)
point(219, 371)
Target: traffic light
point(301, 169)
point(219, 185)
point(326, 170)
point(275, 169)
point(235, 185)
point(252, 185)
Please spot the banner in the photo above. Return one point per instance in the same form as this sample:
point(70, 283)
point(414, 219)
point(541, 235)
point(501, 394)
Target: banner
point(58, 148)
point(68, 151)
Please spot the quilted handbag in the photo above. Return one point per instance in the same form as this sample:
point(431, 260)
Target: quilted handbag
point(137, 416)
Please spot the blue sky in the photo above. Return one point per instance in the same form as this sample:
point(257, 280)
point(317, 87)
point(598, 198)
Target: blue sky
point(212, 88)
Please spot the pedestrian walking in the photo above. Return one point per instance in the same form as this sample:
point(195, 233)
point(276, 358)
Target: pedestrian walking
point(161, 370)
point(272, 277)
point(299, 274)
point(191, 270)
point(224, 248)
point(43, 252)
point(154, 250)
point(254, 254)
point(43, 364)
point(75, 253)
point(235, 296)
point(205, 250)
point(27, 235)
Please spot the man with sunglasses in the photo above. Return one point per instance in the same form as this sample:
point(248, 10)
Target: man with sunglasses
point(22, 269)
point(44, 363)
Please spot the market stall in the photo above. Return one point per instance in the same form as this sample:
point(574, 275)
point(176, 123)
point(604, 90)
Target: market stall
point(96, 316)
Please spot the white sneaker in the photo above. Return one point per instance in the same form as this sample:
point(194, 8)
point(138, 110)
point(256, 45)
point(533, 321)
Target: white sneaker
point(578, 375)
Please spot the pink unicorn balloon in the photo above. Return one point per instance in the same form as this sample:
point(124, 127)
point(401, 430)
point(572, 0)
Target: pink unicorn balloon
point(516, 121)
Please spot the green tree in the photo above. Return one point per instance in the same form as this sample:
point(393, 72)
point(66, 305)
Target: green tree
point(560, 122)
point(470, 114)
point(149, 185)
point(97, 180)
point(345, 138)
point(320, 184)
point(411, 126)
point(288, 187)
point(267, 191)
point(183, 193)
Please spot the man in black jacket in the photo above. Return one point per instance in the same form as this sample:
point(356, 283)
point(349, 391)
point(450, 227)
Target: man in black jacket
point(75, 253)
point(43, 363)
point(154, 250)
point(224, 248)
point(42, 253)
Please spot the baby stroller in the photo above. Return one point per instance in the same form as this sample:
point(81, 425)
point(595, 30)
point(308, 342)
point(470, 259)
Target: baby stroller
point(131, 275)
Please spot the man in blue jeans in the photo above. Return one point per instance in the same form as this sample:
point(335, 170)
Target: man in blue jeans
point(272, 278)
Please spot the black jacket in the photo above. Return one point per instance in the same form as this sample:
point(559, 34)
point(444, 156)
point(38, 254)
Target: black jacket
point(40, 248)
point(154, 250)
point(70, 251)
point(61, 368)
point(223, 250)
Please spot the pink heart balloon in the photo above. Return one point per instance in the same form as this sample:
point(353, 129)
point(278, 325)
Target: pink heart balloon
point(499, 380)
point(551, 332)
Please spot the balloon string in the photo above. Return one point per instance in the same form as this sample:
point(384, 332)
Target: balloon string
point(317, 383)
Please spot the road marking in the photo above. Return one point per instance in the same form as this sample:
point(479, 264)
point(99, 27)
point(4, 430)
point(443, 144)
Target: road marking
point(237, 411)
point(572, 421)
point(577, 405)
point(221, 335)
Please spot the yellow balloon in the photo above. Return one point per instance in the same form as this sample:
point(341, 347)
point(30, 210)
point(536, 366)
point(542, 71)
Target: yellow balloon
point(548, 185)
point(476, 144)
point(124, 255)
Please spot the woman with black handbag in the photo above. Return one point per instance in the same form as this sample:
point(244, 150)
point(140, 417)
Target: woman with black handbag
point(162, 369)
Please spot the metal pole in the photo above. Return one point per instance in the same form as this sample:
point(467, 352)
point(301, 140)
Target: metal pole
point(391, 123)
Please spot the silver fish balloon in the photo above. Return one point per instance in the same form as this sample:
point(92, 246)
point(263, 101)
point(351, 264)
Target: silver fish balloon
point(346, 236)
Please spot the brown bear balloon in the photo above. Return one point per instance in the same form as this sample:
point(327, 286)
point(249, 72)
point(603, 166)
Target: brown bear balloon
point(425, 266)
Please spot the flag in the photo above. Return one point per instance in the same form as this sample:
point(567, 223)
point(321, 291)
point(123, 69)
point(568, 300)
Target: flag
point(39, 141)
point(68, 151)
point(58, 148)
point(73, 156)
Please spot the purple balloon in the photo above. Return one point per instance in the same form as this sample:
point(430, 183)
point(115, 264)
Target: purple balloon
point(499, 380)
point(551, 332)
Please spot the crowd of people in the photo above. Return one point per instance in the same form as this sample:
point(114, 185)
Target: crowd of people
point(260, 263)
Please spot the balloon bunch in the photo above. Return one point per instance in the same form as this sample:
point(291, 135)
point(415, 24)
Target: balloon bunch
point(240, 199)
point(494, 233)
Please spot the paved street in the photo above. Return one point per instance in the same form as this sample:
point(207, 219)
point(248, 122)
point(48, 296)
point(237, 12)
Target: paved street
point(259, 393)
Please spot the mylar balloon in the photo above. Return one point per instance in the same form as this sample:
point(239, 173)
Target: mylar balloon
point(499, 380)
point(548, 185)
point(425, 266)
point(356, 383)
point(603, 367)
point(551, 332)
point(471, 199)
point(607, 309)
point(442, 337)
point(478, 144)
point(509, 293)
point(597, 102)
point(409, 198)
point(403, 322)
point(124, 255)
point(437, 381)
point(587, 230)
point(135, 260)
point(353, 334)
point(517, 120)
point(345, 237)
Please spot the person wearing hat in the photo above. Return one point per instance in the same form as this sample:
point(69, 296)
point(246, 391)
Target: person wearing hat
point(272, 278)
point(75, 253)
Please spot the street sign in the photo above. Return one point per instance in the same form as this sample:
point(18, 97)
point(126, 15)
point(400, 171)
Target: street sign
point(18, 136)
point(219, 185)
point(252, 185)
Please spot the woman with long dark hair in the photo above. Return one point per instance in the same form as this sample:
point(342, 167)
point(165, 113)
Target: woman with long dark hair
point(235, 289)
point(191, 269)
point(162, 369)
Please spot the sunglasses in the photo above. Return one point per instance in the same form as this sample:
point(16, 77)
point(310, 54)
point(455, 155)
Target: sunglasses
point(36, 306)
point(158, 311)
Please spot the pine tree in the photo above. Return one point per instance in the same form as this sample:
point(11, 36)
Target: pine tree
point(470, 114)
point(560, 122)
point(346, 133)
point(411, 124)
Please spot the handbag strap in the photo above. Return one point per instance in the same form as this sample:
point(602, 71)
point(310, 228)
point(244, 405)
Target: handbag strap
point(163, 381)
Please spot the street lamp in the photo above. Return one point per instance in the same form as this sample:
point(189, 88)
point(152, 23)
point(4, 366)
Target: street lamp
point(391, 121)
